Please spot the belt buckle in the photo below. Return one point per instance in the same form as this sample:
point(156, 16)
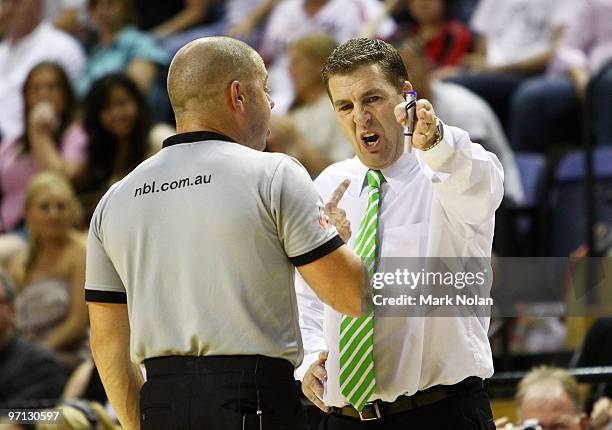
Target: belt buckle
point(370, 412)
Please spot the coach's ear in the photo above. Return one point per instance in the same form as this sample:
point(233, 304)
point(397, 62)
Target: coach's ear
point(407, 87)
point(237, 96)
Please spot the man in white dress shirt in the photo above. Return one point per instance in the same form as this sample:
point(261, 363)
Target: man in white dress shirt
point(437, 201)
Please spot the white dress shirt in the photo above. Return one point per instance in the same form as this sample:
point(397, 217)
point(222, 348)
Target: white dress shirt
point(437, 203)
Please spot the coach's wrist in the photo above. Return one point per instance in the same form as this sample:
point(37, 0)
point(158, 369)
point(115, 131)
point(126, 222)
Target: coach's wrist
point(437, 137)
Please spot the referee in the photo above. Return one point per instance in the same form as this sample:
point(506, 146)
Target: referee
point(190, 260)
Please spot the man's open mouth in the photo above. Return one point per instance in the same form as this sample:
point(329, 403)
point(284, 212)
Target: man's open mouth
point(369, 139)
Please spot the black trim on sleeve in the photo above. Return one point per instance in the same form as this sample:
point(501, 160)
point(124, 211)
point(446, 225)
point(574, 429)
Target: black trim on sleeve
point(329, 246)
point(105, 296)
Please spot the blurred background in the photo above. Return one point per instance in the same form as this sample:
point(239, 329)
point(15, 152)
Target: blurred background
point(83, 101)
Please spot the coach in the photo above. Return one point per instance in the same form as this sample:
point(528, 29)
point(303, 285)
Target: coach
point(190, 260)
point(437, 201)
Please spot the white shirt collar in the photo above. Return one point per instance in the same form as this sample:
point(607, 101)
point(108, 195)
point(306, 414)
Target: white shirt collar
point(396, 175)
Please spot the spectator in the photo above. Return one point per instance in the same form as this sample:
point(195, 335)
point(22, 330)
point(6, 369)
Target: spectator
point(122, 48)
point(118, 123)
point(245, 18)
point(50, 274)
point(517, 40)
point(445, 41)
point(190, 19)
point(28, 41)
point(462, 108)
point(52, 140)
point(597, 351)
point(550, 397)
point(28, 372)
point(67, 15)
point(342, 19)
point(174, 23)
point(293, 133)
point(459, 9)
point(556, 99)
point(166, 18)
point(291, 19)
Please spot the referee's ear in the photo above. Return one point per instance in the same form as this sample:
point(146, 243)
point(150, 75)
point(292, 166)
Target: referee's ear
point(237, 96)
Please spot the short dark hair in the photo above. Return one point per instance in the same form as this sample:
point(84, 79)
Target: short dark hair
point(356, 53)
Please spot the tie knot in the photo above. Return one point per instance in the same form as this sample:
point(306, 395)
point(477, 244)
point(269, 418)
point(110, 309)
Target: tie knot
point(375, 178)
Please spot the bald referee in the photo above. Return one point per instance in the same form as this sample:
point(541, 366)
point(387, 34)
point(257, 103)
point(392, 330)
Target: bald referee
point(190, 260)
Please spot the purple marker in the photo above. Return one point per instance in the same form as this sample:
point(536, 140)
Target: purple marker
point(411, 98)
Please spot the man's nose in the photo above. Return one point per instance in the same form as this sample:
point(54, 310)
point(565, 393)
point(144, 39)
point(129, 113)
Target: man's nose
point(361, 116)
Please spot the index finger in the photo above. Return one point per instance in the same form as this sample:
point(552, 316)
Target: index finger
point(339, 192)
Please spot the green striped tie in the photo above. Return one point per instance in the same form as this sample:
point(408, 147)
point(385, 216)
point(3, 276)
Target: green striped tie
point(357, 382)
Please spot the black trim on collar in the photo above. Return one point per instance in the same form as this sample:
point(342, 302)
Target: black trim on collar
point(195, 136)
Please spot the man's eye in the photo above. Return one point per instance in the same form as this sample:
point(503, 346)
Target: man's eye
point(344, 108)
point(372, 99)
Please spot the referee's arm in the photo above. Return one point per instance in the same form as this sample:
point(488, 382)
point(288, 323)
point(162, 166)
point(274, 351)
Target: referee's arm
point(110, 328)
point(110, 346)
point(339, 279)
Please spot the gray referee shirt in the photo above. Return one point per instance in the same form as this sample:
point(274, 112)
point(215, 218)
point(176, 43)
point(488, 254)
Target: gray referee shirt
point(201, 241)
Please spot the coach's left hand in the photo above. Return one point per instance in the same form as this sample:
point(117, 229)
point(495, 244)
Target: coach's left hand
point(425, 130)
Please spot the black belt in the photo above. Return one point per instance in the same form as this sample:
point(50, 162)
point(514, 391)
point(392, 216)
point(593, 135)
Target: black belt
point(211, 364)
point(379, 409)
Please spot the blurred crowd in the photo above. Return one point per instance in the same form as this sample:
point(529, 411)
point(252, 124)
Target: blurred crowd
point(83, 101)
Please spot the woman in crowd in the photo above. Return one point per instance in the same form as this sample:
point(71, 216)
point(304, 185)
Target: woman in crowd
point(445, 41)
point(122, 48)
point(53, 140)
point(50, 273)
point(118, 122)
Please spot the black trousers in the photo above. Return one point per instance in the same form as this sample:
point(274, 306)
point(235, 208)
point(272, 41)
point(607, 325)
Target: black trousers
point(220, 393)
point(469, 411)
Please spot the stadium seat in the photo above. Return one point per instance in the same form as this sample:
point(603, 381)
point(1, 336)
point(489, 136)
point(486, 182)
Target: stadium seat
point(568, 199)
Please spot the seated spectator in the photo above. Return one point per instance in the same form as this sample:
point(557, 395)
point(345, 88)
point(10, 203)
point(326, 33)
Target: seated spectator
point(596, 351)
point(459, 9)
point(585, 54)
point(517, 40)
point(460, 107)
point(50, 274)
point(117, 121)
point(52, 140)
point(67, 15)
point(122, 48)
point(245, 18)
point(176, 23)
point(28, 41)
point(28, 372)
point(293, 133)
point(445, 41)
point(549, 397)
point(291, 19)
point(166, 18)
